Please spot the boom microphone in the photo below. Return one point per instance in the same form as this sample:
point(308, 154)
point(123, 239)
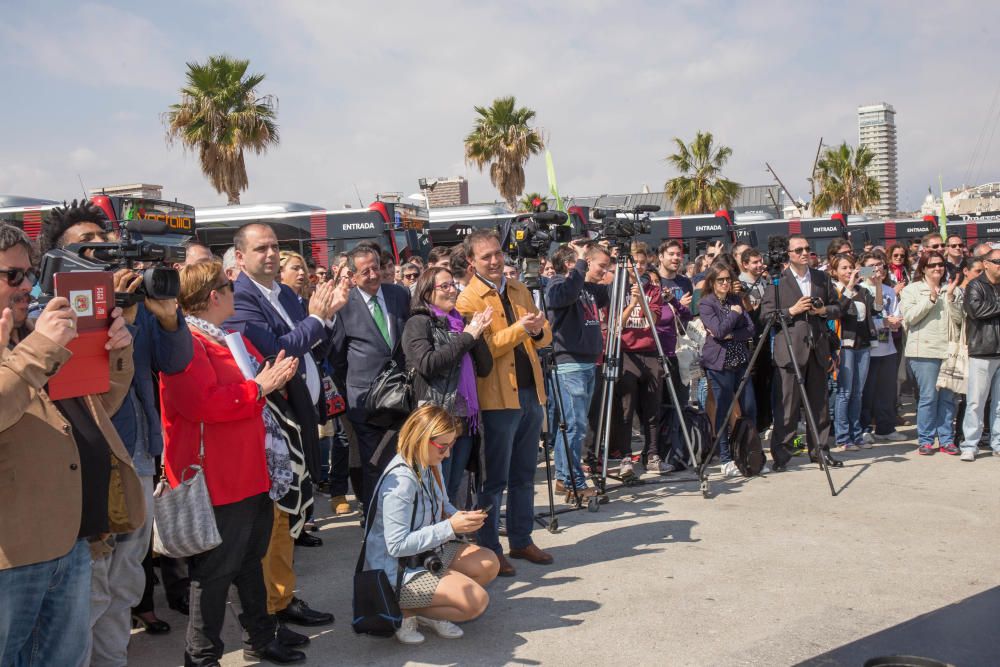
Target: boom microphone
point(646, 208)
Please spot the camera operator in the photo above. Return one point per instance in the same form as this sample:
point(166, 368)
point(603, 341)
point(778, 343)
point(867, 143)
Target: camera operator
point(806, 299)
point(65, 459)
point(161, 343)
point(573, 309)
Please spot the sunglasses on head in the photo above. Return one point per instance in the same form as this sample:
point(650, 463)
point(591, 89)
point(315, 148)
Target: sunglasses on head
point(15, 277)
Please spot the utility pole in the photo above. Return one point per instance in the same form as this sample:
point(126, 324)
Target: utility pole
point(789, 194)
point(812, 176)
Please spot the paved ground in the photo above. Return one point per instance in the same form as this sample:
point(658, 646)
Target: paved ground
point(769, 571)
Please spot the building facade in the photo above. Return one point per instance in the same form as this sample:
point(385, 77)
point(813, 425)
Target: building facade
point(877, 131)
point(450, 192)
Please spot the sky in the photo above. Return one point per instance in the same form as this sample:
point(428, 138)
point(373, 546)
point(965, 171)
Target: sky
point(372, 96)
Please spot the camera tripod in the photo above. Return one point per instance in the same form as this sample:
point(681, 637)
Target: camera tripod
point(625, 268)
point(550, 372)
point(776, 318)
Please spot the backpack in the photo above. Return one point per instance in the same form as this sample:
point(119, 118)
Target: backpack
point(746, 448)
point(701, 432)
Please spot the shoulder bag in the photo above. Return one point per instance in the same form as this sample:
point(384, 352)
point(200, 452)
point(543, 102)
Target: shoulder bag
point(183, 517)
point(376, 604)
point(953, 374)
point(390, 400)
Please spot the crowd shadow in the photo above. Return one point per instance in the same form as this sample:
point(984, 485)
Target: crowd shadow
point(963, 633)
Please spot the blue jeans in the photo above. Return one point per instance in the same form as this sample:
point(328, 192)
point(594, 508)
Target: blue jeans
point(935, 408)
point(984, 382)
point(851, 376)
point(45, 611)
point(576, 389)
point(453, 467)
point(511, 458)
point(724, 384)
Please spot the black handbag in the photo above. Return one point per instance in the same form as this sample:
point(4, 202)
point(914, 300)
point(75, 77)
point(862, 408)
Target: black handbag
point(376, 604)
point(390, 400)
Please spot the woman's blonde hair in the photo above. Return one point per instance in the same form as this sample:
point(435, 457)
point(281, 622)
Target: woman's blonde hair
point(197, 282)
point(286, 255)
point(427, 422)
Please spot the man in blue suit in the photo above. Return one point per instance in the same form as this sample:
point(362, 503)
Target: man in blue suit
point(366, 335)
point(270, 315)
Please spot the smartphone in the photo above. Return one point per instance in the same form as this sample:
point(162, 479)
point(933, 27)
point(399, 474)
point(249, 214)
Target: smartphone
point(485, 510)
point(866, 272)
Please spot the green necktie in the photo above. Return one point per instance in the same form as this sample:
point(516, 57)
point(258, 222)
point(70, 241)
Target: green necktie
point(380, 322)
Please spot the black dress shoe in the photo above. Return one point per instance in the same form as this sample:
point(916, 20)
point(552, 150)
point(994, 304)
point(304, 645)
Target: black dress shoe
point(306, 540)
point(275, 652)
point(290, 638)
point(156, 627)
point(298, 613)
point(181, 606)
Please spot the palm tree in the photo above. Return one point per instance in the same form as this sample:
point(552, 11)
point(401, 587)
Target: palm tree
point(843, 180)
point(502, 139)
point(527, 202)
point(220, 115)
point(700, 188)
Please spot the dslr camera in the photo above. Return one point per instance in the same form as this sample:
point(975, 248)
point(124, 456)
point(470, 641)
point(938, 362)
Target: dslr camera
point(428, 559)
point(142, 241)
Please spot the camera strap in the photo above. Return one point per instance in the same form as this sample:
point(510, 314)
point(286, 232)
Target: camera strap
point(400, 567)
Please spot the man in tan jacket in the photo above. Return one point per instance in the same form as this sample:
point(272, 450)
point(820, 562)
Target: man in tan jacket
point(510, 398)
point(60, 460)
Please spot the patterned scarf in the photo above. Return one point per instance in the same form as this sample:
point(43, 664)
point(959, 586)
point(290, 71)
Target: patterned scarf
point(279, 465)
point(467, 376)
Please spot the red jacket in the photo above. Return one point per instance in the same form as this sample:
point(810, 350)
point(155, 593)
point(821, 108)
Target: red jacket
point(637, 333)
point(212, 390)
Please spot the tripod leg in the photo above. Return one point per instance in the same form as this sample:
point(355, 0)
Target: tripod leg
point(553, 521)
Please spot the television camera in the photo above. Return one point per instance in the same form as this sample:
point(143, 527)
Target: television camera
point(530, 237)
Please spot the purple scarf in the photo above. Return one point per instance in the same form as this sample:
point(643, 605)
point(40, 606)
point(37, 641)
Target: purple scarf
point(467, 376)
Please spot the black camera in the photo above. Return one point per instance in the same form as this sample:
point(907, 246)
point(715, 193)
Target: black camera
point(157, 247)
point(428, 559)
point(777, 255)
point(619, 226)
point(816, 302)
point(530, 237)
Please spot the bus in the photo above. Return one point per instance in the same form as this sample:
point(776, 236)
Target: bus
point(888, 232)
point(820, 231)
point(29, 213)
point(319, 233)
point(450, 225)
point(975, 227)
point(695, 232)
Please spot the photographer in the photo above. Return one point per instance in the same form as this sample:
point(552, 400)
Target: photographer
point(804, 298)
point(63, 458)
point(414, 527)
point(577, 344)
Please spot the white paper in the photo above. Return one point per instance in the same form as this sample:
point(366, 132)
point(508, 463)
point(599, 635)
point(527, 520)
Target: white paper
point(240, 354)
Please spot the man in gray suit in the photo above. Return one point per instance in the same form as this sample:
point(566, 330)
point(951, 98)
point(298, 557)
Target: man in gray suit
point(365, 336)
point(806, 298)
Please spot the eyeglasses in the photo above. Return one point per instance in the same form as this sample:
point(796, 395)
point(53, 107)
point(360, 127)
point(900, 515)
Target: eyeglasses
point(898, 255)
point(935, 265)
point(443, 447)
point(954, 245)
point(411, 276)
point(725, 279)
point(445, 287)
point(17, 276)
point(995, 262)
point(228, 283)
point(936, 246)
point(800, 250)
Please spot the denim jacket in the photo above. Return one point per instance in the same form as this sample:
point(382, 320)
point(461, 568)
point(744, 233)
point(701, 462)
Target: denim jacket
point(390, 538)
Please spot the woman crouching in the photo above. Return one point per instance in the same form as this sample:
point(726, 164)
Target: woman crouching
point(415, 527)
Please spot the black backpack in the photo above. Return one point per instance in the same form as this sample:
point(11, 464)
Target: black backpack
point(700, 429)
point(746, 448)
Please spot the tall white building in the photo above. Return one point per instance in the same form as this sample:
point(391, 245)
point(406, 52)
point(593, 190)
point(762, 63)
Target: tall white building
point(877, 131)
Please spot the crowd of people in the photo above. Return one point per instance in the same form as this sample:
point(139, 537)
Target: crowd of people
point(498, 370)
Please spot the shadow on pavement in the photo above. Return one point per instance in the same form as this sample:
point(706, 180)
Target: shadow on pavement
point(961, 634)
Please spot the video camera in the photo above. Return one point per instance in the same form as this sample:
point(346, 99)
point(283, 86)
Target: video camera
point(146, 241)
point(531, 236)
point(619, 226)
point(777, 255)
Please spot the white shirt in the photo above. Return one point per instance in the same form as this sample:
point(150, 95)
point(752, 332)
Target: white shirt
point(805, 283)
point(385, 310)
point(312, 372)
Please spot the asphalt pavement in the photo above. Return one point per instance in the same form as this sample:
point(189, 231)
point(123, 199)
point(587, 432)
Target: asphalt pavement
point(766, 571)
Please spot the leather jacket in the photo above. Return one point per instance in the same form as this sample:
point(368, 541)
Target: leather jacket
point(982, 308)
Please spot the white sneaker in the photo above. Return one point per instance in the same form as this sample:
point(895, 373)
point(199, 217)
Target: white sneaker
point(867, 438)
point(625, 468)
point(968, 455)
point(445, 629)
point(895, 436)
point(408, 633)
point(730, 470)
point(766, 436)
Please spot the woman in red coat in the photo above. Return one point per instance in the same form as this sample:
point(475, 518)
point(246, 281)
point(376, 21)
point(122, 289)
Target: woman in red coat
point(211, 402)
